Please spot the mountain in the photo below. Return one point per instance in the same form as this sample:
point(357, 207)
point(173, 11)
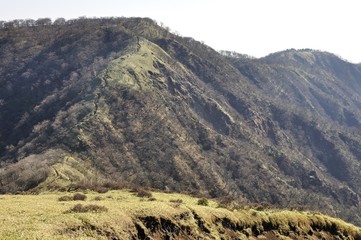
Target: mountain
point(123, 99)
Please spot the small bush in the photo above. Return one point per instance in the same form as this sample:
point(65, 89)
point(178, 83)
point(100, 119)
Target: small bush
point(75, 197)
point(79, 208)
point(203, 202)
point(144, 193)
point(114, 185)
point(65, 198)
point(101, 189)
point(152, 199)
point(79, 197)
point(134, 190)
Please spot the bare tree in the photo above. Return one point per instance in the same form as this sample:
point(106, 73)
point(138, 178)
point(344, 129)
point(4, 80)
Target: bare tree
point(9, 24)
point(30, 22)
point(43, 21)
point(60, 21)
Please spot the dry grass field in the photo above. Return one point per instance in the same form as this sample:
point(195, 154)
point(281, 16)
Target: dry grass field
point(123, 214)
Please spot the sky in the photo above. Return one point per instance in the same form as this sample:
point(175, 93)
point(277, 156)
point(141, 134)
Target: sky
point(253, 27)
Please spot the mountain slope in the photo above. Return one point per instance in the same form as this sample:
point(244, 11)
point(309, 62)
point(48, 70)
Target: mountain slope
point(126, 100)
point(125, 215)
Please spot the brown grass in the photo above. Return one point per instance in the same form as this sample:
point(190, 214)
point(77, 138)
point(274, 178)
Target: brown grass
point(123, 215)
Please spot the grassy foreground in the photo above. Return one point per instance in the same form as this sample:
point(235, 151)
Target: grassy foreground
point(124, 215)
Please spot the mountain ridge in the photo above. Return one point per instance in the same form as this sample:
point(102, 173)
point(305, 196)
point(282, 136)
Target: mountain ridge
point(140, 105)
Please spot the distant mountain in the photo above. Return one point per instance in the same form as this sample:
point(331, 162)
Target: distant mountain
point(123, 99)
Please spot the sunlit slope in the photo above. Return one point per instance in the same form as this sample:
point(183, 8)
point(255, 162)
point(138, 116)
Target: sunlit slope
point(127, 215)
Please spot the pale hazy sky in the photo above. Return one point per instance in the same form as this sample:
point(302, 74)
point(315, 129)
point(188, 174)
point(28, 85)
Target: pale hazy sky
point(254, 27)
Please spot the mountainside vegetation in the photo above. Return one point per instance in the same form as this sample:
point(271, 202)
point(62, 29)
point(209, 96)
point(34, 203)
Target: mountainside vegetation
point(126, 100)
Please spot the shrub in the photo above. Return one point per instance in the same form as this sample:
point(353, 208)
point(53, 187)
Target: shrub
point(144, 193)
point(97, 198)
point(79, 197)
point(79, 208)
point(114, 185)
point(101, 189)
point(65, 198)
point(75, 197)
point(152, 199)
point(134, 190)
point(203, 202)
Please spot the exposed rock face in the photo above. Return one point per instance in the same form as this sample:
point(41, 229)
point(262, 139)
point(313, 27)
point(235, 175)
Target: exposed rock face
point(137, 104)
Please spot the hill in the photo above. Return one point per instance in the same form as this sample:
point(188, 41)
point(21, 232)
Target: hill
point(124, 99)
point(126, 215)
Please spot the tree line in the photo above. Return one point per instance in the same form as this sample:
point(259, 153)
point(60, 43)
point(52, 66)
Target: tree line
point(17, 23)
